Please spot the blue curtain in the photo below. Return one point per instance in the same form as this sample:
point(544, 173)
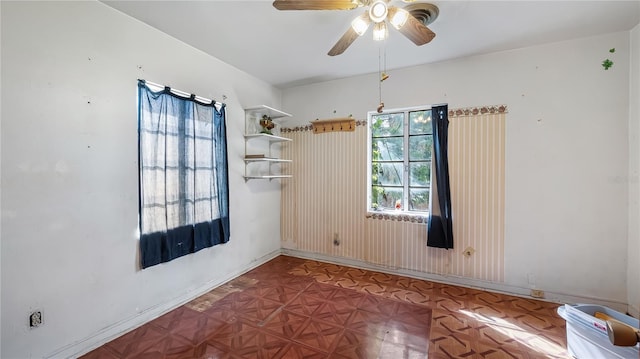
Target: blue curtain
point(440, 226)
point(183, 175)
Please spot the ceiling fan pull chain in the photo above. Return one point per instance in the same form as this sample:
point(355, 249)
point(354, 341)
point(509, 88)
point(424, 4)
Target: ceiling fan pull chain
point(384, 74)
point(381, 74)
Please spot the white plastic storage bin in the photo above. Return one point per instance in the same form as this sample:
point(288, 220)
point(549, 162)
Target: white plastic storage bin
point(587, 335)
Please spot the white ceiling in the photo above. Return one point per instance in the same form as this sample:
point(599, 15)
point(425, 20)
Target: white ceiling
point(288, 48)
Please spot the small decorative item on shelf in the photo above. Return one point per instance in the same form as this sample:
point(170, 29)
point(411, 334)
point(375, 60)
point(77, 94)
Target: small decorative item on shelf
point(398, 205)
point(267, 125)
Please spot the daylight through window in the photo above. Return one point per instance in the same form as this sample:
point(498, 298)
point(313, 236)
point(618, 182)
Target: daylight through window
point(400, 145)
point(183, 175)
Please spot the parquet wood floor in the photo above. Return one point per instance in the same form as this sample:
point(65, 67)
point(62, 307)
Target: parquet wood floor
point(296, 308)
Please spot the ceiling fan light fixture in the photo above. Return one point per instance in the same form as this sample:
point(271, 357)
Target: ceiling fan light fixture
point(398, 17)
point(360, 25)
point(378, 11)
point(380, 31)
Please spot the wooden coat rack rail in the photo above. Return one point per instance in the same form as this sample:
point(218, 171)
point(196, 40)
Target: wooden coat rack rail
point(346, 124)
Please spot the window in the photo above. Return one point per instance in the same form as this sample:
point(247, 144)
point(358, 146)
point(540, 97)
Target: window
point(400, 145)
point(183, 173)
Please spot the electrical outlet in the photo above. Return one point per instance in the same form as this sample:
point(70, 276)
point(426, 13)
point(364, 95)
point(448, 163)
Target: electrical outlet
point(35, 319)
point(336, 241)
point(537, 293)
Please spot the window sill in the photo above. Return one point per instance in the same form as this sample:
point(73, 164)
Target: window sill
point(398, 216)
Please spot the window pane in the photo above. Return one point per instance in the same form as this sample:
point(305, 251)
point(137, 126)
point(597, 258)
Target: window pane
point(387, 149)
point(385, 197)
point(386, 174)
point(387, 125)
point(420, 122)
point(419, 199)
point(400, 153)
point(420, 174)
point(420, 147)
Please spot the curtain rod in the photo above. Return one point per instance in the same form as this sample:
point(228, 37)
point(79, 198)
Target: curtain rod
point(185, 94)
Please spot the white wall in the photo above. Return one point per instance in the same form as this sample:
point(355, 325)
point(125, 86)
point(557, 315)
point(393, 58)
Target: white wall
point(69, 176)
point(633, 271)
point(0, 186)
point(566, 152)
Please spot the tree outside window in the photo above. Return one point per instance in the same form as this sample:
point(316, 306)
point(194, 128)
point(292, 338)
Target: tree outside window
point(400, 148)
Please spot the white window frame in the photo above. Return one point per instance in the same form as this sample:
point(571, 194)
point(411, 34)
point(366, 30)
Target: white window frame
point(405, 177)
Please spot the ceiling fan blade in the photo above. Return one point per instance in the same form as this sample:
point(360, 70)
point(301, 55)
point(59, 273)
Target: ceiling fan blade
point(345, 41)
point(351, 34)
point(415, 31)
point(315, 4)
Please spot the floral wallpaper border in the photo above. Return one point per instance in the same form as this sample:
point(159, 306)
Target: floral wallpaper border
point(397, 217)
point(310, 128)
point(454, 112)
point(473, 111)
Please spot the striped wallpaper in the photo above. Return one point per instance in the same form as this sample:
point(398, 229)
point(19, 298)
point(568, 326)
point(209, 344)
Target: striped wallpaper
point(326, 200)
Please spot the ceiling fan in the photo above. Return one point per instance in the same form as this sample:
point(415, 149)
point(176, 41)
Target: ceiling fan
point(411, 20)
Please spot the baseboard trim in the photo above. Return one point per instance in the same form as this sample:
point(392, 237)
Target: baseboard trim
point(555, 297)
point(105, 335)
